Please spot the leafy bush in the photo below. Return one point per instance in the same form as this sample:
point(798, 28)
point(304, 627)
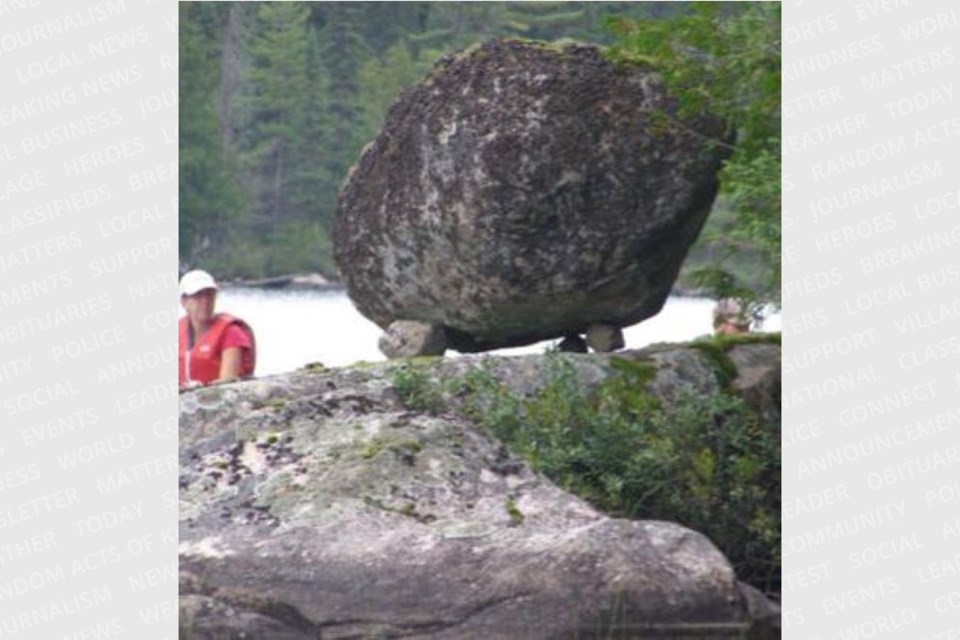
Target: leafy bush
point(724, 58)
point(704, 461)
point(416, 390)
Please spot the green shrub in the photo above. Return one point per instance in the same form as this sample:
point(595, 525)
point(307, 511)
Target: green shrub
point(417, 392)
point(704, 461)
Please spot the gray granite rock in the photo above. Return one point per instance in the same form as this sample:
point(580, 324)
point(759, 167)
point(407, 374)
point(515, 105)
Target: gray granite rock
point(316, 505)
point(523, 192)
point(406, 338)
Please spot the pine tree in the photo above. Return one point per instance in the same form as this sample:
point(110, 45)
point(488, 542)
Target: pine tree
point(277, 86)
point(286, 94)
point(382, 81)
point(208, 196)
point(343, 53)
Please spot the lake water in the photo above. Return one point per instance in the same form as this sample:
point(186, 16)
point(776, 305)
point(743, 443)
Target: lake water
point(294, 328)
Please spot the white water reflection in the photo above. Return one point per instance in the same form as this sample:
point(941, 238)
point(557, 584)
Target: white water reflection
point(294, 328)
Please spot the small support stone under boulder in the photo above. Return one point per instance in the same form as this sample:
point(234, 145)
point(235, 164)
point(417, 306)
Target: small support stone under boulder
point(604, 338)
point(572, 344)
point(407, 338)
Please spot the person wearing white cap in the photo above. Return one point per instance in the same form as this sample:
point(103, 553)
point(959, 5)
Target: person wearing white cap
point(214, 347)
point(729, 317)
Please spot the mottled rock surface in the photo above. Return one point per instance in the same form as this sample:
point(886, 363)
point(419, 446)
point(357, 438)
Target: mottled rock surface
point(604, 337)
point(523, 192)
point(316, 505)
point(759, 378)
point(406, 338)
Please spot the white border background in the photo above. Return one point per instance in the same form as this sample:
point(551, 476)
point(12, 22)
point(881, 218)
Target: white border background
point(88, 271)
point(88, 130)
point(871, 315)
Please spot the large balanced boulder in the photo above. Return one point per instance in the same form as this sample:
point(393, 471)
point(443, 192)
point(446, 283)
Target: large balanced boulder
point(524, 192)
point(318, 505)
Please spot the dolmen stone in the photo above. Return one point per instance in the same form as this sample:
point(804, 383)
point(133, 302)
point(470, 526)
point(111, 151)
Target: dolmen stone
point(524, 192)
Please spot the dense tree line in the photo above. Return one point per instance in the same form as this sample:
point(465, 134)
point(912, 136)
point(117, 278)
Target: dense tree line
point(277, 99)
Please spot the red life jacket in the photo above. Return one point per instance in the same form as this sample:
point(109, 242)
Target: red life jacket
point(202, 362)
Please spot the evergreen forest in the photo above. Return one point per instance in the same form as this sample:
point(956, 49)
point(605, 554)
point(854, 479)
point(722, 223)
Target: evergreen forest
point(277, 99)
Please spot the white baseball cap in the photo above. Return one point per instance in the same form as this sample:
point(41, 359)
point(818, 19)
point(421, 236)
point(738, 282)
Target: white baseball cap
point(195, 281)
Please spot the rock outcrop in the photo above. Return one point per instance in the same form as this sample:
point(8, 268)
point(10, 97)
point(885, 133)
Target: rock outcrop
point(317, 505)
point(524, 192)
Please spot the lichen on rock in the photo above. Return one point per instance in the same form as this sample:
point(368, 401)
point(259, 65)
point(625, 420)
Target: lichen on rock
point(348, 514)
point(522, 193)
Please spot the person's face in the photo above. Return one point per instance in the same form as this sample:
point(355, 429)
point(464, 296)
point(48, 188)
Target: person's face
point(731, 327)
point(199, 306)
